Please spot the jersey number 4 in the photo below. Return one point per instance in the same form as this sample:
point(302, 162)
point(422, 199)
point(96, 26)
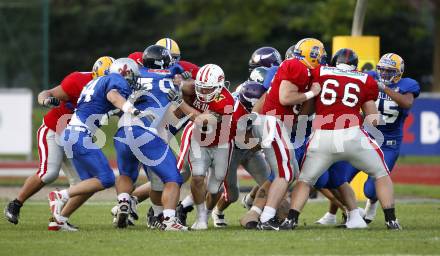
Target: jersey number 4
point(88, 91)
point(329, 95)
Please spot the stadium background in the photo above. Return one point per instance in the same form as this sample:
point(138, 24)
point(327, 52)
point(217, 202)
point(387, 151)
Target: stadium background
point(41, 41)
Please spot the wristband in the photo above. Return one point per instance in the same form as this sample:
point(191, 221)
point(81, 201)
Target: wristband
point(309, 95)
point(127, 106)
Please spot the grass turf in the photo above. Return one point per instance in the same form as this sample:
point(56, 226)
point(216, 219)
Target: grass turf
point(421, 235)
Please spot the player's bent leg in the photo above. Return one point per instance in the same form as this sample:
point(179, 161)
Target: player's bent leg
point(142, 192)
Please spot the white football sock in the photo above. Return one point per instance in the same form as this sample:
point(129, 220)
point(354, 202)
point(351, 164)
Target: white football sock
point(169, 213)
point(124, 197)
point(157, 209)
point(217, 212)
point(268, 213)
point(256, 209)
point(187, 201)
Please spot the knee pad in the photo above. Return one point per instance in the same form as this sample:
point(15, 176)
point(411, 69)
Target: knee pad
point(50, 176)
point(214, 186)
point(370, 189)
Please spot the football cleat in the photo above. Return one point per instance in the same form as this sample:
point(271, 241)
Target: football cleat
point(122, 214)
point(393, 225)
point(181, 213)
point(288, 224)
point(327, 219)
point(173, 224)
point(200, 225)
point(12, 211)
point(355, 221)
point(219, 220)
point(133, 208)
point(154, 222)
point(56, 203)
point(60, 226)
point(272, 224)
point(244, 202)
point(370, 211)
point(114, 211)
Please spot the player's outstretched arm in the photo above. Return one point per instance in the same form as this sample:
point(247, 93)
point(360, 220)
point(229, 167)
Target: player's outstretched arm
point(371, 113)
point(120, 102)
point(52, 97)
point(289, 95)
point(403, 100)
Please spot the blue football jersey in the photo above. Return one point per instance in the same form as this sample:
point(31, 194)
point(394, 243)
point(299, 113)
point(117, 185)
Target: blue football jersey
point(269, 76)
point(93, 101)
point(157, 83)
point(394, 116)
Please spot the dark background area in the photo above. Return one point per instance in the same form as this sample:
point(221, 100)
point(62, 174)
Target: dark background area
point(222, 32)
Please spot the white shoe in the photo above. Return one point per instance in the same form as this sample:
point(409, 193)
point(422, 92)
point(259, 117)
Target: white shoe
point(355, 220)
point(327, 219)
point(114, 211)
point(133, 208)
point(56, 203)
point(219, 220)
point(60, 226)
point(370, 211)
point(122, 214)
point(200, 224)
point(172, 224)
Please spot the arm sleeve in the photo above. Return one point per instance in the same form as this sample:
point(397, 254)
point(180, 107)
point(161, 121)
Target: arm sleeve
point(295, 72)
point(411, 86)
point(69, 85)
point(119, 84)
point(372, 89)
point(269, 77)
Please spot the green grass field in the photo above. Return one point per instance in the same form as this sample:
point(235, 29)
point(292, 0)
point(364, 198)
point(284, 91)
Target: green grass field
point(421, 235)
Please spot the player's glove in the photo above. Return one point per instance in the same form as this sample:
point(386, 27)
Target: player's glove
point(146, 114)
point(175, 96)
point(186, 75)
point(381, 86)
point(51, 102)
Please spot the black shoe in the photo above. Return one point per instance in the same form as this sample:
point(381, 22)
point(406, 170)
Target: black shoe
point(368, 221)
point(393, 225)
point(288, 224)
point(181, 213)
point(12, 211)
point(154, 222)
point(272, 224)
point(251, 225)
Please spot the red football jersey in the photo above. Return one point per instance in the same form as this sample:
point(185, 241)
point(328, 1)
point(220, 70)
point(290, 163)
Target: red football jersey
point(342, 95)
point(291, 70)
point(224, 105)
point(190, 67)
point(72, 85)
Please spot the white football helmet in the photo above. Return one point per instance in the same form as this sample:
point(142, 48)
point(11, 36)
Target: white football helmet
point(209, 82)
point(127, 68)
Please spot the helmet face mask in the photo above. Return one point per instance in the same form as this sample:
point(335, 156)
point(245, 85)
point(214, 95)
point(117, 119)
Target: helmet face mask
point(390, 68)
point(209, 82)
point(157, 57)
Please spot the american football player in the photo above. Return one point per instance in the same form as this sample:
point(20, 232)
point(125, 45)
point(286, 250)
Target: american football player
point(62, 99)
